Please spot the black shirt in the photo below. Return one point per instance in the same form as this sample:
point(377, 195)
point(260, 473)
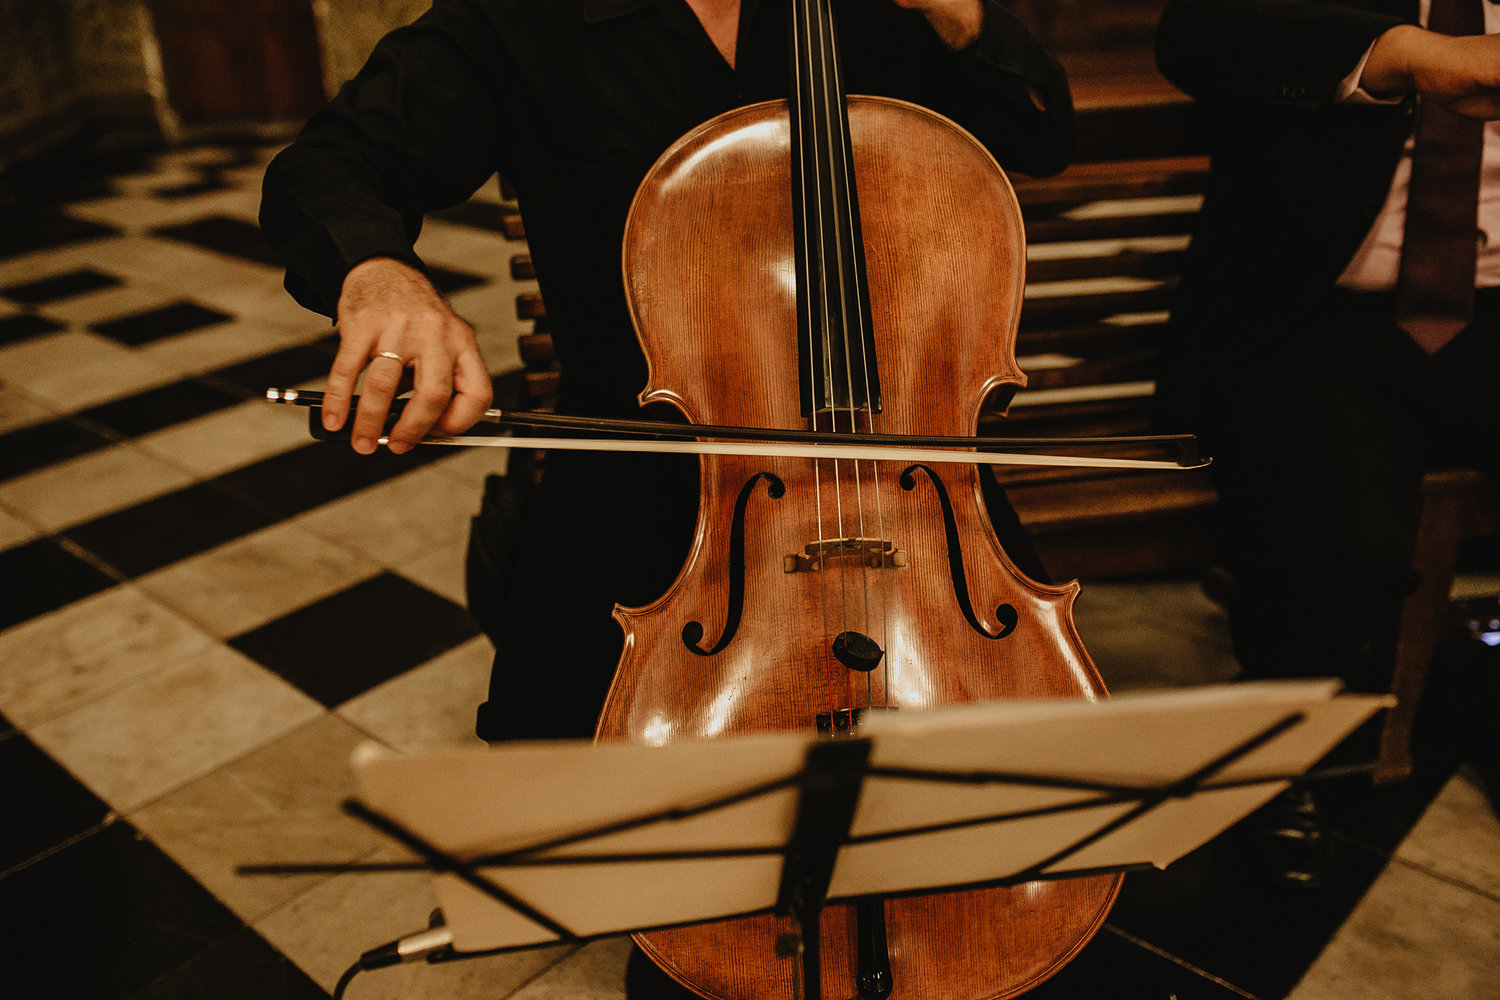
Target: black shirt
point(572, 101)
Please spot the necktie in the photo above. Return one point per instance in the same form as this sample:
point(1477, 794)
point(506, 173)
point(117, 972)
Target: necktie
point(1435, 286)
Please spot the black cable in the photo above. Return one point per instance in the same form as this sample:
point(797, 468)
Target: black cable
point(346, 978)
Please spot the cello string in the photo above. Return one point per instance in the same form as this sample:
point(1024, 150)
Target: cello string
point(830, 277)
point(804, 95)
point(865, 339)
point(846, 250)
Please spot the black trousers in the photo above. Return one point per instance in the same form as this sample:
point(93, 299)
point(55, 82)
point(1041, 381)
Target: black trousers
point(1320, 435)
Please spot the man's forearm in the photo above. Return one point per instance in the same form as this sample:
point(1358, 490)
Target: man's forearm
point(1459, 72)
point(957, 22)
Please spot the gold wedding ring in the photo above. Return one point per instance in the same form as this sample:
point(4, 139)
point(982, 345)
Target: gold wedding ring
point(393, 356)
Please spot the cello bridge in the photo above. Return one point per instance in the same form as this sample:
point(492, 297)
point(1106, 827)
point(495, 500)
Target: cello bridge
point(846, 722)
point(875, 553)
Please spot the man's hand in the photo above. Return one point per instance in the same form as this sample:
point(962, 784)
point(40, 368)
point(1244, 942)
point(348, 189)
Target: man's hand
point(1461, 73)
point(957, 22)
point(388, 308)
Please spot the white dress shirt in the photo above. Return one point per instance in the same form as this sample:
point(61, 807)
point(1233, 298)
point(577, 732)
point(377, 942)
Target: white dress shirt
point(1374, 265)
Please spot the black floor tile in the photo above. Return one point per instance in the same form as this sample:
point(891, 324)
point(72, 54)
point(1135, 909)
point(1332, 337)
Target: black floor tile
point(448, 281)
point(241, 966)
point(106, 915)
point(299, 480)
point(24, 326)
point(29, 448)
point(154, 324)
point(353, 641)
point(42, 576)
point(30, 232)
point(281, 368)
point(224, 234)
point(170, 527)
point(60, 286)
point(162, 407)
point(47, 804)
point(79, 168)
point(1115, 966)
point(1218, 910)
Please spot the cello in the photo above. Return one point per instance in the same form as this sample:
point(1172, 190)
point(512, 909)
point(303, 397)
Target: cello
point(770, 290)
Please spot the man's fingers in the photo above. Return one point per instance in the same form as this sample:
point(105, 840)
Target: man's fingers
point(472, 394)
point(424, 407)
point(353, 354)
point(383, 378)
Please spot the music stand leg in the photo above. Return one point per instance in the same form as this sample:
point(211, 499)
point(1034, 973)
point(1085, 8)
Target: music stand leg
point(812, 953)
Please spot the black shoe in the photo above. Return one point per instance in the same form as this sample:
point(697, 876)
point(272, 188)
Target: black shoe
point(1291, 840)
point(1488, 774)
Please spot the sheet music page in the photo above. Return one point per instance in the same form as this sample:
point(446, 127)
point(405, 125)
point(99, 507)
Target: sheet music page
point(1105, 757)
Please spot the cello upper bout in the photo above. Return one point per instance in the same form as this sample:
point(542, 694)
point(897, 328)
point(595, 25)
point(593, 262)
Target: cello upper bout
point(699, 268)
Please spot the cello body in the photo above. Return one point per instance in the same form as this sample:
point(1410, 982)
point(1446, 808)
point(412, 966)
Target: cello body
point(788, 553)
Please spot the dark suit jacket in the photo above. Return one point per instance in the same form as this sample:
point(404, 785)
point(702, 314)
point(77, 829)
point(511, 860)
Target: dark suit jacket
point(1296, 181)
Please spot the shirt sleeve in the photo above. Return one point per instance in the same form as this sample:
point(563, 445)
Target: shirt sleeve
point(1350, 92)
point(361, 174)
point(1009, 91)
point(1290, 52)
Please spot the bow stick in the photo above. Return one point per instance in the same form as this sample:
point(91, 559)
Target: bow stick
point(788, 443)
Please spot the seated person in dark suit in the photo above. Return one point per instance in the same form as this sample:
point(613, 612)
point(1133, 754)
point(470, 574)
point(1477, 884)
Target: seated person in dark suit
point(1328, 344)
point(572, 101)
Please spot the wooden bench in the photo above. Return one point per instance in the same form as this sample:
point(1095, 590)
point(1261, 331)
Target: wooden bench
point(1457, 505)
point(1104, 246)
point(1105, 243)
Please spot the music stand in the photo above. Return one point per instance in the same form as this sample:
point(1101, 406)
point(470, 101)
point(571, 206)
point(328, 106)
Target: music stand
point(538, 844)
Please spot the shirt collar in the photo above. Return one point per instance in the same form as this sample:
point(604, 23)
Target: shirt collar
point(603, 10)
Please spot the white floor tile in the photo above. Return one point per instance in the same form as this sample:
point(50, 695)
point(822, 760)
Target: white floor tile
point(326, 929)
point(18, 410)
point(431, 706)
point(399, 520)
point(255, 579)
point(146, 738)
point(268, 807)
point(594, 972)
point(15, 530)
point(227, 439)
point(1458, 837)
point(72, 369)
point(56, 663)
point(1410, 936)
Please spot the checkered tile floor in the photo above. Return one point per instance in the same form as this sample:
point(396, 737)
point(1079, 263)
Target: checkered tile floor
point(204, 611)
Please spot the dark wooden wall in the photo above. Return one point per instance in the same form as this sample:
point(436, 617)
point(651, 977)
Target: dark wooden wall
point(1091, 25)
point(239, 60)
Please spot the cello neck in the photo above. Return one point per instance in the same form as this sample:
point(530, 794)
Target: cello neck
point(837, 366)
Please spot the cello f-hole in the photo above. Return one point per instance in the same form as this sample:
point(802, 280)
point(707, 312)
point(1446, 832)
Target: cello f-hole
point(1005, 614)
point(692, 632)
